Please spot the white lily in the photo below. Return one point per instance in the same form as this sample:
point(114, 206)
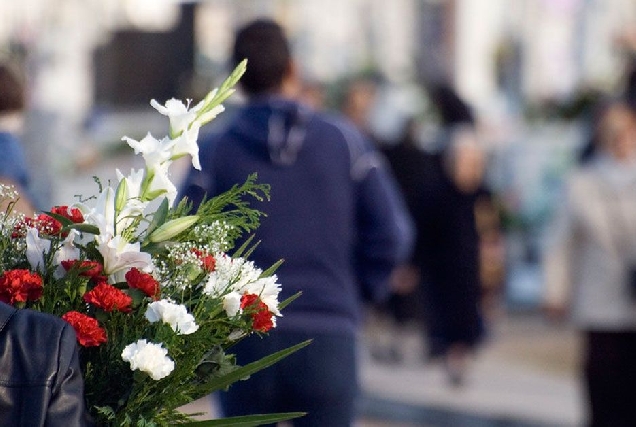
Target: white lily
point(102, 215)
point(134, 205)
point(36, 248)
point(68, 251)
point(120, 255)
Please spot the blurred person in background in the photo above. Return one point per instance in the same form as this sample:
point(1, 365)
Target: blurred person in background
point(13, 166)
point(447, 249)
point(590, 266)
point(410, 166)
point(313, 93)
point(359, 98)
point(335, 217)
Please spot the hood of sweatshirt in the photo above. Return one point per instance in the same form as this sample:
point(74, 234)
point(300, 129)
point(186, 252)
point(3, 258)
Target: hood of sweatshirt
point(275, 126)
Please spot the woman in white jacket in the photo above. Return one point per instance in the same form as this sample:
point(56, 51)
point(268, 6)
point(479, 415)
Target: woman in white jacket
point(590, 266)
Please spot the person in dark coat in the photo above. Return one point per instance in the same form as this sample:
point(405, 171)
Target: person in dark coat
point(410, 166)
point(447, 249)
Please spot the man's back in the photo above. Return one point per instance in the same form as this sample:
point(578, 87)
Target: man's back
point(331, 216)
point(335, 218)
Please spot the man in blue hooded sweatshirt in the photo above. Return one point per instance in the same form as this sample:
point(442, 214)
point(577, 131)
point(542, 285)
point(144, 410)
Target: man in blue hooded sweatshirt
point(335, 217)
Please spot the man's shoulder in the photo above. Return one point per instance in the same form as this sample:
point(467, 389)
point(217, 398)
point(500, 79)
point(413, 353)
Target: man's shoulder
point(339, 130)
point(333, 120)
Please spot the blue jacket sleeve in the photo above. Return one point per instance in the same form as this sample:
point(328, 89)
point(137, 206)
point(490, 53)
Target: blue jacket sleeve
point(386, 231)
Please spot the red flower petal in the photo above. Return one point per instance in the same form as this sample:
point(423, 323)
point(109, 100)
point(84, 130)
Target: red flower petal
point(143, 281)
point(20, 285)
point(87, 329)
point(108, 298)
point(73, 214)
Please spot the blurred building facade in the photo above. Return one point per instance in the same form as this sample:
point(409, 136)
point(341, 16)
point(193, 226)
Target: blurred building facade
point(538, 48)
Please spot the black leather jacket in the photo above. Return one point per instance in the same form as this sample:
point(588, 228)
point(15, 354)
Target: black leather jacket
point(40, 379)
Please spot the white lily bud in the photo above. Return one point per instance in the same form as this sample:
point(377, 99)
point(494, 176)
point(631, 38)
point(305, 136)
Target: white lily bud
point(173, 228)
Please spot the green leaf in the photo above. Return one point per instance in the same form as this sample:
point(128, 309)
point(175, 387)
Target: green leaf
point(271, 270)
point(247, 420)
point(239, 252)
point(62, 219)
point(137, 296)
point(249, 369)
point(85, 228)
point(159, 217)
point(285, 303)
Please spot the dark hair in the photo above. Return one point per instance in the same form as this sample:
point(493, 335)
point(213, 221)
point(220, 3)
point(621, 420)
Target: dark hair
point(264, 44)
point(451, 107)
point(12, 97)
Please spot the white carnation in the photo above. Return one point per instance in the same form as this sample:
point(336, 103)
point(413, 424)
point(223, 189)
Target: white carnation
point(226, 271)
point(148, 357)
point(176, 315)
point(232, 304)
point(268, 289)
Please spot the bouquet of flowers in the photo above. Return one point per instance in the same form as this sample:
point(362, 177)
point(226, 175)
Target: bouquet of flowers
point(155, 292)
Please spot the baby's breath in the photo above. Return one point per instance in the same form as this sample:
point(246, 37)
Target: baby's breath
point(215, 237)
point(7, 192)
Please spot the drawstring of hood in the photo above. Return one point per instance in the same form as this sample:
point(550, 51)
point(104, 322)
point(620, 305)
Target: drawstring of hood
point(286, 134)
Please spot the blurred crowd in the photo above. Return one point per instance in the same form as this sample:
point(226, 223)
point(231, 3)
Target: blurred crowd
point(452, 286)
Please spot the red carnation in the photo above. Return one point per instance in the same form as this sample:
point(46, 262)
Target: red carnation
point(248, 300)
point(87, 268)
point(87, 329)
point(262, 320)
point(19, 286)
point(261, 316)
point(207, 260)
point(143, 281)
point(108, 298)
point(73, 214)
